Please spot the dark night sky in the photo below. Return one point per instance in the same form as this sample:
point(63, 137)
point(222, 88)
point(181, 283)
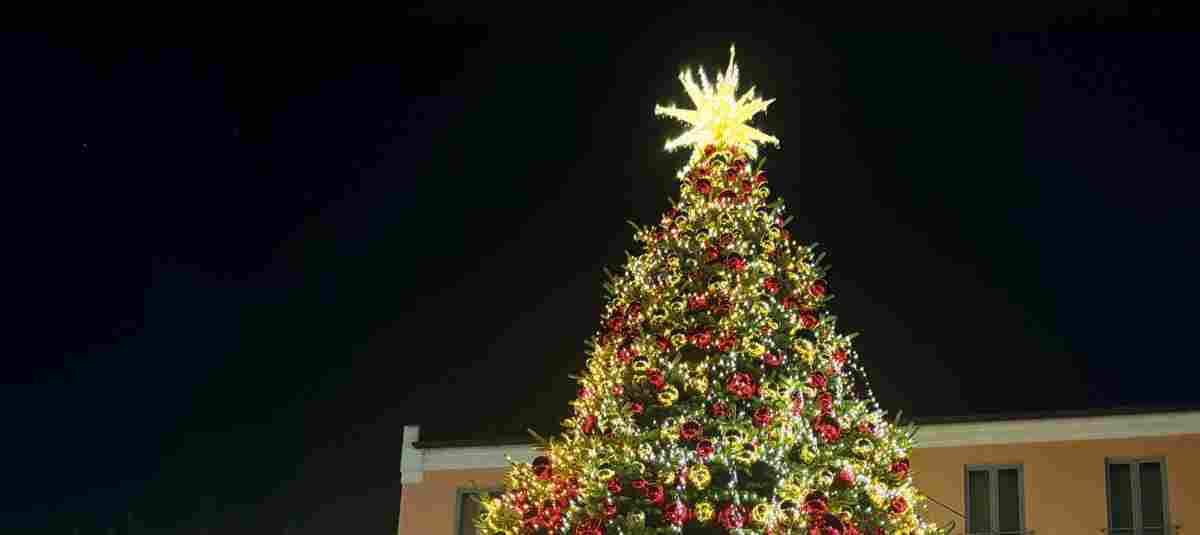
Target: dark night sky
point(241, 264)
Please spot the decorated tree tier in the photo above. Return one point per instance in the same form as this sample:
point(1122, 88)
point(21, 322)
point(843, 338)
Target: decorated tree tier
point(718, 396)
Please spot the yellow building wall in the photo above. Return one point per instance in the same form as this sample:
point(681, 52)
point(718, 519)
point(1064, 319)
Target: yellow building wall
point(428, 508)
point(1064, 481)
point(1063, 485)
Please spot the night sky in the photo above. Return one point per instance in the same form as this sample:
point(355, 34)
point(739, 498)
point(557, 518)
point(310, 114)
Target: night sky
point(240, 262)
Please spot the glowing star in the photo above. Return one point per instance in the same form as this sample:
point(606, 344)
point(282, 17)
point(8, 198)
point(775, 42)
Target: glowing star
point(720, 116)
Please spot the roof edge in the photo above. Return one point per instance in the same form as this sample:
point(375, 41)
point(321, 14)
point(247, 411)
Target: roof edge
point(927, 421)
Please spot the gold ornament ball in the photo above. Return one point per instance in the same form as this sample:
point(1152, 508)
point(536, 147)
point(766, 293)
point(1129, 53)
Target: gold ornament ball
point(791, 491)
point(807, 455)
point(636, 520)
point(699, 476)
point(667, 477)
point(761, 513)
point(668, 395)
point(757, 349)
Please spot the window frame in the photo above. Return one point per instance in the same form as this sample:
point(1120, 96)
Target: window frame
point(1135, 480)
point(994, 496)
point(461, 493)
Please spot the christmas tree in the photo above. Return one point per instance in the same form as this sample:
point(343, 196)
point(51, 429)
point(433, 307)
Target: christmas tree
point(718, 396)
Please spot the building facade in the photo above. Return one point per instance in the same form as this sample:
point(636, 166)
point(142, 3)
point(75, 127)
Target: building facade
point(1115, 472)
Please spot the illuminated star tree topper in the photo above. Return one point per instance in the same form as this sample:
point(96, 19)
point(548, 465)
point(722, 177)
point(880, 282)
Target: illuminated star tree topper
point(720, 116)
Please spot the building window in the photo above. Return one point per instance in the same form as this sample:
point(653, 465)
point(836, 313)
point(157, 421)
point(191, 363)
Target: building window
point(995, 498)
point(469, 508)
point(1137, 503)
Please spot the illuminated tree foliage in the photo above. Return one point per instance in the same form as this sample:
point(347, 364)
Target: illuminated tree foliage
point(718, 395)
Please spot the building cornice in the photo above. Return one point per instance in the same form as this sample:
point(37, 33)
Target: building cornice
point(416, 460)
point(1058, 429)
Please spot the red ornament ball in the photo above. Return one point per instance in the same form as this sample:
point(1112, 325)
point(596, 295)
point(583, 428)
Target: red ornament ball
point(741, 385)
point(771, 285)
point(550, 517)
point(676, 513)
point(728, 197)
point(704, 186)
point(726, 343)
point(588, 425)
point(722, 308)
point(614, 486)
point(712, 254)
point(816, 503)
point(656, 378)
point(626, 354)
point(840, 356)
point(656, 494)
point(610, 511)
point(818, 381)
point(772, 360)
point(762, 417)
point(808, 319)
point(828, 429)
point(844, 479)
point(826, 402)
point(731, 517)
point(663, 343)
point(592, 526)
point(615, 323)
point(718, 410)
point(817, 288)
